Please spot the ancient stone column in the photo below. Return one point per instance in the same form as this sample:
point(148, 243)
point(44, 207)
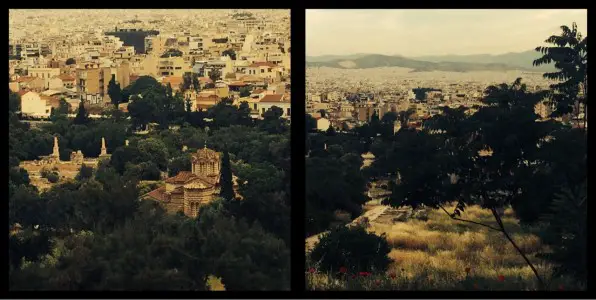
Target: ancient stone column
point(104, 150)
point(56, 151)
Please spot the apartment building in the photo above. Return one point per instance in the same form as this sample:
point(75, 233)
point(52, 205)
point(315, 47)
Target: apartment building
point(172, 66)
point(92, 83)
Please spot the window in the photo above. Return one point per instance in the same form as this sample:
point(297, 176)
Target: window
point(262, 70)
point(255, 105)
point(288, 113)
point(178, 68)
point(269, 70)
point(263, 109)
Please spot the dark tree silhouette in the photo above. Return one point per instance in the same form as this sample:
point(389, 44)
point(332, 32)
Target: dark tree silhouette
point(82, 116)
point(114, 91)
point(229, 52)
point(227, 187)
point(570, 56)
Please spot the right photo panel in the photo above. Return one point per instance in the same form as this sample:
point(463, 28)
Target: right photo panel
point(446, 150)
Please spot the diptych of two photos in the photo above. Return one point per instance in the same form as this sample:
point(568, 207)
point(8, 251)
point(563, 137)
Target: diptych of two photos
point(155, 149)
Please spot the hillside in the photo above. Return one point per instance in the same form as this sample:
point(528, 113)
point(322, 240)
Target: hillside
point(520, 59)
point(453, 63)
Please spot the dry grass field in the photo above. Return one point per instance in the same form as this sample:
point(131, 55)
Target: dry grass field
point(438, 253)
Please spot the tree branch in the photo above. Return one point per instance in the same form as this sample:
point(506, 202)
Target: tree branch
point(500, 222)
point(469, 221)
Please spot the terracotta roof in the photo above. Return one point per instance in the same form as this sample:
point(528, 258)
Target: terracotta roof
point(238, 83)
point(66, 77)
point(25, 79)
point(272, 98)
point(158, 194)
point(175, 81)
point(182, 177)
point(262, 64)
point(52, 101)
point(23, 92)
point(257, 91)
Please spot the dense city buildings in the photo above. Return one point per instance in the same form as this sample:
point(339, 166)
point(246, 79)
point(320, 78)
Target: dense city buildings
point(228, 50)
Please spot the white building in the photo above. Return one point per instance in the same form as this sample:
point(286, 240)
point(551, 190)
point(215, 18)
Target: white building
point(33, 105)
point(268, 101)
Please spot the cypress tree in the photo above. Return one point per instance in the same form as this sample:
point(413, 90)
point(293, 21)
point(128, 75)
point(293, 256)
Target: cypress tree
point(227, 187)
point(82, 116)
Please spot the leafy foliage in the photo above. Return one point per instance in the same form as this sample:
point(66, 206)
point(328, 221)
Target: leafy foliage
point(353, 249)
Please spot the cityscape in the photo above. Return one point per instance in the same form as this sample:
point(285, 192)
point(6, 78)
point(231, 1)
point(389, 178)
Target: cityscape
point(149, 149)
point(444, 150)
point(435, 146)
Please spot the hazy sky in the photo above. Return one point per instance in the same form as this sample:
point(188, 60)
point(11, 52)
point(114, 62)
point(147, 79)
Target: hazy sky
point(415, 32)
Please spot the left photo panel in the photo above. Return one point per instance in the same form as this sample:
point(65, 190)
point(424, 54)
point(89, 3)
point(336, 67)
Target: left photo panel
point(149, 149)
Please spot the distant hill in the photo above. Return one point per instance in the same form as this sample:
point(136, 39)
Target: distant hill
point(324, 58)
point(518, 59)
point(377, 60)
point(454, 63)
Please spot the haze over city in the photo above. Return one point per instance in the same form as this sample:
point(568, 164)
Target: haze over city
point(416, 32)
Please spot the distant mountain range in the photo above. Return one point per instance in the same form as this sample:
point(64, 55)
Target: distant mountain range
point(454, 63)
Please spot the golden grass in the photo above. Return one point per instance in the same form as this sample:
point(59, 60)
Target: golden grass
point(434, 255)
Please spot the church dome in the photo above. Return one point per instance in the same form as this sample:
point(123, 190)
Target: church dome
point(206, 154)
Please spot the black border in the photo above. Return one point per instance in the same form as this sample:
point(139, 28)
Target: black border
point(298, 171)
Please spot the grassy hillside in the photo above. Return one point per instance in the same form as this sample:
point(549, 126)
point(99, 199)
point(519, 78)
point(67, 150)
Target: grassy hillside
point(433, 252)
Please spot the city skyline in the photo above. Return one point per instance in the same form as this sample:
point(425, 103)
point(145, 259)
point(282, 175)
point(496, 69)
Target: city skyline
point(346, 32)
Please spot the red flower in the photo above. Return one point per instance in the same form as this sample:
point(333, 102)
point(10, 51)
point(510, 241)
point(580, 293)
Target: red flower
point(377, 282)
point(561, 287)
point(311, 270)
point(468, 270)
point(364, 274)
point(354, 276)
point(501, 278)
point(343, 270)
point(392, 275)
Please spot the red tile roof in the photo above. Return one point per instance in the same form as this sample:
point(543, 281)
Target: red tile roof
point(238, 83)
point(66, 77)
point(25, 79)
point(262, 64)
point(174, 81)
point(182, 177)
point(158, 194)
point(272, 98)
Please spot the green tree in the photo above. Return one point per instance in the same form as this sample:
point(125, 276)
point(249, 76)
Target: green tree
point(70, 61)
point(353, 249)
point(186, 82)
point(244, 92)
point(61, 113)
point(82, 116)
point(229, 52)
point(85, 172)
point(114, 91)
point(196, 83)
point(215, 75)
point(570, 57)
point(227, 186)
point(14, 102)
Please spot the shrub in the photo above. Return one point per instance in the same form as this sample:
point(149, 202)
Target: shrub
point(51, 176)
point(85, 172)
point(352, 248)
